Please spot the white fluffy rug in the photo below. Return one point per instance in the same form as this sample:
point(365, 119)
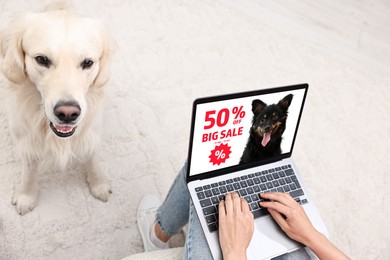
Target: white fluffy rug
point(173, 51)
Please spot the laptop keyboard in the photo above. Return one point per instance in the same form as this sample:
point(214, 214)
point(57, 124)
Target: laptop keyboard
point(279, 179)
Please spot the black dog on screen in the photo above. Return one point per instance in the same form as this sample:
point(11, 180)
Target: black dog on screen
point(268, 125)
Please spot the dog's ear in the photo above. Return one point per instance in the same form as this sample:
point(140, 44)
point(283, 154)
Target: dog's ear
point(109, 47)
point(11, 52)
point(257, 106)
point(285, 102)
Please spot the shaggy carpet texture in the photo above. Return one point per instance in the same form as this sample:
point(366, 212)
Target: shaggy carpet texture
point(171, 52)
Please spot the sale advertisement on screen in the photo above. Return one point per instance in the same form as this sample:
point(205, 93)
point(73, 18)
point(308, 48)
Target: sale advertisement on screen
point(244, 130)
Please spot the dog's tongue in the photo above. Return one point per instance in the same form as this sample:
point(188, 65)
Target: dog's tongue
point(266, 138)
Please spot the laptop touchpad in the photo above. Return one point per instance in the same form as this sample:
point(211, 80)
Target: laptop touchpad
point(270, 239)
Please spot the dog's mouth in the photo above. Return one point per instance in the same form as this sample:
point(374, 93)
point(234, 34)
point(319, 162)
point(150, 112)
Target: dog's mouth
point(266, 138)
point(63, 130)
point(267, 135)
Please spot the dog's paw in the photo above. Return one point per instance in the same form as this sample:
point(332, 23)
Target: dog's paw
point(101, 191)
point(23, 202)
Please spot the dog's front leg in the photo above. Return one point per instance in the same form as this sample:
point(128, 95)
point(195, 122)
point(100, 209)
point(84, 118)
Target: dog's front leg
point(26, 193)
point(99, 185)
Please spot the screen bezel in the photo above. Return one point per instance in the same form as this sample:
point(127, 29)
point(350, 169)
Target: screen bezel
point(229, 169)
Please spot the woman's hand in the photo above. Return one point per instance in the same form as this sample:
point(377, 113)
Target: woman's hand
point(290, 216)
point(235, 226)
point(293, 220)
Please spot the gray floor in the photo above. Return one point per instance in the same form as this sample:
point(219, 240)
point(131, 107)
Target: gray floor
point(171, 52)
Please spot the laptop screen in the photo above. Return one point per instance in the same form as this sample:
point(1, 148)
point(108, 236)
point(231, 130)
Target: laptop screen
point(244, 129)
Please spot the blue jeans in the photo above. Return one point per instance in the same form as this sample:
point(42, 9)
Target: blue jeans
point(177, 210)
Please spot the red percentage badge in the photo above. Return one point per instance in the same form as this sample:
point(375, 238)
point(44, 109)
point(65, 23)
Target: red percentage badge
point(220, 154)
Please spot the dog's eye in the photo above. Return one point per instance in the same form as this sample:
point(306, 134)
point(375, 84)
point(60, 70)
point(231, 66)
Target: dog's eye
point(86, 64)
point(275, 117)
point(43, 61)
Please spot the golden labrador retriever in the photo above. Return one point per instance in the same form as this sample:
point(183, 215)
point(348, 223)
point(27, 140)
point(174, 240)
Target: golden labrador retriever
point(57, 65)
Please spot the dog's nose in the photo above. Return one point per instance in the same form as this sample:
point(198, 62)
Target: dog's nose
point(267, 128)
point(67, 111)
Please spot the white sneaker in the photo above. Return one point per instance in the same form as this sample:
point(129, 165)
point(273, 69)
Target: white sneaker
point(146, 217)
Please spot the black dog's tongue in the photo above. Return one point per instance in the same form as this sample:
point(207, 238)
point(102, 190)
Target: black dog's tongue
point(266, 138)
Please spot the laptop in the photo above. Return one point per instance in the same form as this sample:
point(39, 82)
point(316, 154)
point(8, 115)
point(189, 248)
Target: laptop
point(243, 143)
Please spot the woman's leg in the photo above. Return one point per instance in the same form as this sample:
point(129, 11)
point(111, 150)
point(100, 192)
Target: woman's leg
point(176, 211)
point(172, 215)
point(196, 246)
